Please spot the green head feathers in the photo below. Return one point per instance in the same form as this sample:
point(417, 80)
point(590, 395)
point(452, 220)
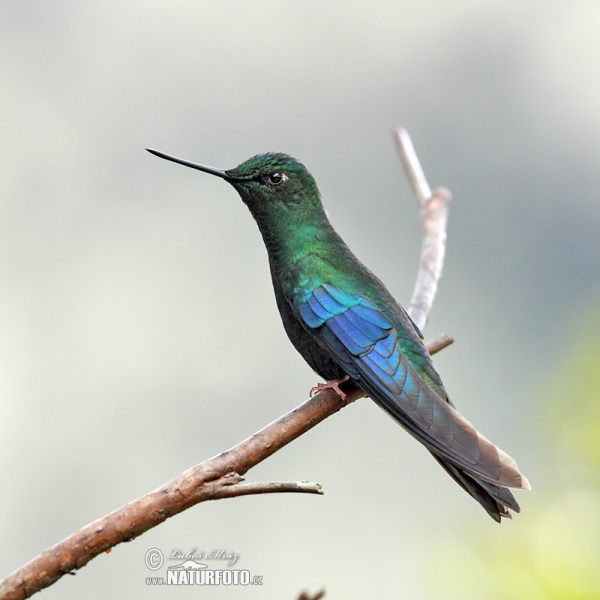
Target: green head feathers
point(269, 182)
point(276, 187)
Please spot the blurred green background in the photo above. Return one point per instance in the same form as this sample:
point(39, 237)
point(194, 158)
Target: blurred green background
point(139, 333)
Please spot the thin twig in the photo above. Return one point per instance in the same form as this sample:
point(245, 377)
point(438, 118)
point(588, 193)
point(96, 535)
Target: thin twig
point(439, 343)
point(271, 487)
point(412, 166)
point(434, 218)
point(222, 475)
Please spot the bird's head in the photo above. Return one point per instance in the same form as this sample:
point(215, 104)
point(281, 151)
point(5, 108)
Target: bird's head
point(274, 186)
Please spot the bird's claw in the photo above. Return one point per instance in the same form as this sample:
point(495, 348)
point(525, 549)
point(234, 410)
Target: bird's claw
point(331, 385)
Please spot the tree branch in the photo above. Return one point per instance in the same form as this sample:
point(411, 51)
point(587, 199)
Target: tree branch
point(271, 487)
point(439, 343)
point(434, 209)
point(222, 475)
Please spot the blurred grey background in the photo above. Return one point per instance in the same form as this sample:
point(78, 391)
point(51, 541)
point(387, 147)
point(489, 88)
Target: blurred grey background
point(138, 330)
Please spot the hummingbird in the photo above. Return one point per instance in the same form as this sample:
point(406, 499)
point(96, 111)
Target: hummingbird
point(347, 326)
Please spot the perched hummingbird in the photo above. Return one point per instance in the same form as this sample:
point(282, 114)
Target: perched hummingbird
point(346, 325)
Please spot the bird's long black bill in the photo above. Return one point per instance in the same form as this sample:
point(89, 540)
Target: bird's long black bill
point(187, 163)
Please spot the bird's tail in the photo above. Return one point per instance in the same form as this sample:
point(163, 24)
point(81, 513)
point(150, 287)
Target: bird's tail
point(495, 500)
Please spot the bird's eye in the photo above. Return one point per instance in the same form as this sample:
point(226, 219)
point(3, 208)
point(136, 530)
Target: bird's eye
point(273, 178)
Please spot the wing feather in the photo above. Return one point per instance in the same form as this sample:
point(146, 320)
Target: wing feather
point(363, 340)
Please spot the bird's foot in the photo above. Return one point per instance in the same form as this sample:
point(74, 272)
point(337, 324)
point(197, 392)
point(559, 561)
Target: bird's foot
point(331, 385)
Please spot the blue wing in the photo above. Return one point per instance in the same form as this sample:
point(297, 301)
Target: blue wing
point(364, 342)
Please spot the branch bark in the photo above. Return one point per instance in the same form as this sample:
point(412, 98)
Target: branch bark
point(222, 475)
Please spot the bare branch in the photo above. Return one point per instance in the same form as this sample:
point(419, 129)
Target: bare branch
point(434, 218)
point(272, 487)
point(222, 475)
point(412, 166)
point(217, 477)
point(439, 343)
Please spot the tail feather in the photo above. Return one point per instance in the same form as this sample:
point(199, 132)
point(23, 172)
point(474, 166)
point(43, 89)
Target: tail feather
point(495, 500)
